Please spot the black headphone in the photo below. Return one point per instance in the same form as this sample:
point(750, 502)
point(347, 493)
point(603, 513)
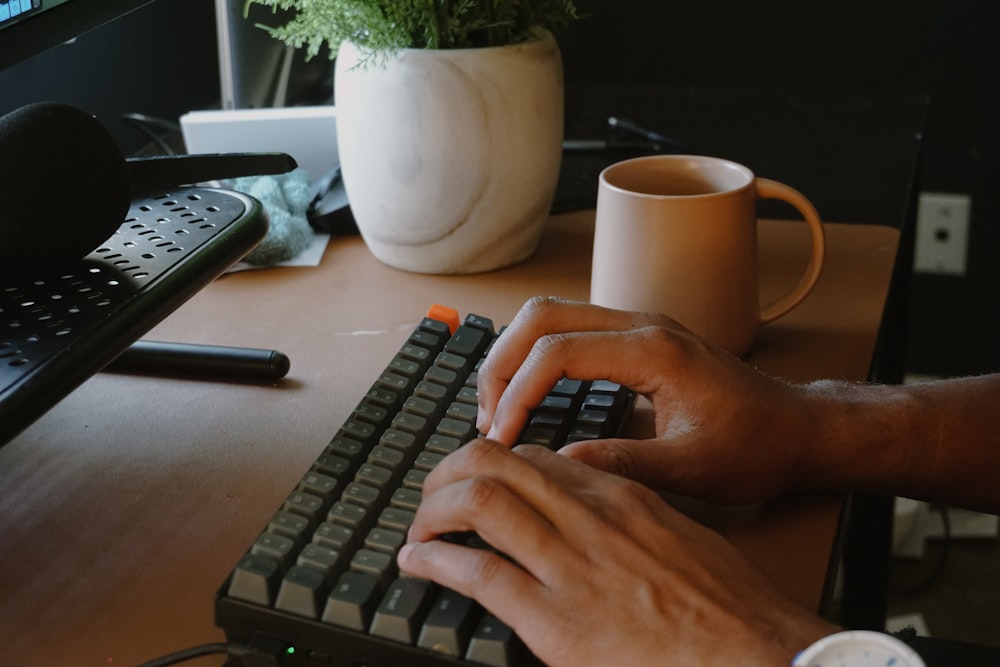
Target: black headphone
point(66, 186)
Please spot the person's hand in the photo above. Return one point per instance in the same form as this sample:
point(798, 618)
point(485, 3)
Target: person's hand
point(724, 432)
point(599, 570)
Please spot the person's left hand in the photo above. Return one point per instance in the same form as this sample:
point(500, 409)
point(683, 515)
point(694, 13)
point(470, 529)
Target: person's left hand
point(599, 570)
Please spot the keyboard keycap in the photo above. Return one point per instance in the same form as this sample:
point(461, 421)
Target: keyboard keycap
point(255, 579)
point(449, 624)
point(493, 643)
point(403, 609)
point(302, 592)
point(278, 547)
point(353, 601)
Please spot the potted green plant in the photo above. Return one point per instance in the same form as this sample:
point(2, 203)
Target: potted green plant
point(449, 121)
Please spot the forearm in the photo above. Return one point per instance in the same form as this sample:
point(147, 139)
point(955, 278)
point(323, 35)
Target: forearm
point(936, 441)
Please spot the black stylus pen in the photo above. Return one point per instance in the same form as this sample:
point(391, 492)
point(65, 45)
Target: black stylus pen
point(203, 362)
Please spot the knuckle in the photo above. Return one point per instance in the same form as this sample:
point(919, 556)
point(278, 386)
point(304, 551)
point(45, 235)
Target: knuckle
point(484, 568)
point(480, 493)
point(623, 461)
point(538, 306)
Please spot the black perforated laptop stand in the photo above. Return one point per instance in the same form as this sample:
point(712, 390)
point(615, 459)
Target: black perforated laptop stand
point(61, 324)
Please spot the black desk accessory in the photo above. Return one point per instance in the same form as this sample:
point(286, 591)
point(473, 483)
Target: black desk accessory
point(67, 309)
point(65, 184)
point(201, 362)
point(61, 324)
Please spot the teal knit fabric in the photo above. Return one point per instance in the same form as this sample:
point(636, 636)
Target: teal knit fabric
point(285, 198)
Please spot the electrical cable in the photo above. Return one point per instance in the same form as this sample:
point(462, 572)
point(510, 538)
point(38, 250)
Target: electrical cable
point(145, 125)
point(188, 654)
point(935, 572)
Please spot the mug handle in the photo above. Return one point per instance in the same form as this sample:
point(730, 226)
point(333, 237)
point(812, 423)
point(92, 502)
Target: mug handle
point(768, 189)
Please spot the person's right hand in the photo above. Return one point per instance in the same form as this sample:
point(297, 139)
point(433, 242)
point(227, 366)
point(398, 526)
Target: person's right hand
point(724, 431)
point(594, 569)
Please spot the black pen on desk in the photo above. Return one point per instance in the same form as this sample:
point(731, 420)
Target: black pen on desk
point(202, 362)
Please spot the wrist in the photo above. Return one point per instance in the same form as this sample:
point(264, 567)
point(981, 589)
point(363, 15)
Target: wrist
point(860, 437)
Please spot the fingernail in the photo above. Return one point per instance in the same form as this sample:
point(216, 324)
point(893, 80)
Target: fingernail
point(404, 554)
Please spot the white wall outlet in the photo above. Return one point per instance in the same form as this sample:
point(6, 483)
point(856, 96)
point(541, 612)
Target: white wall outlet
point(942, 236)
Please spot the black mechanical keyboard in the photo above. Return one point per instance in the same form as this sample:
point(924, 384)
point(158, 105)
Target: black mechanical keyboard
point(320, 585)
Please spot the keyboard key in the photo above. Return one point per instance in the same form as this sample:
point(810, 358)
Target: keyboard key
point(303, 504)
point(255, 579)
point(322, 559)
point(361, 494)
point(393, 382)
point(379, 565)
point(278, 547)
point(408, 368)
point(353, 601)
point(439, 321)
point(371, 413)
point(452, 362)
point(431, 341)
point(396, 519)
point(567, 387)
point(417, 353)
point(463, 412)
point(318, 484)
point(414, 479)
point(406, 499)
point(384, 540)
point(468, 395)
point(337, 536)
point(348, 514)
point(346, 448)
point(467, 342)
point(537, 435)
point(403, 609)
point(421, 406)
point(302, 592)
point(456, 428)
point(374, 476)
point(431, 390)
point(599, 419)
point(290, 525)
point(443, 315)
point(442, 444)
point(605, 387)
point(329, 463)
point(493, 643)
point(398, 440)
point(583, 432)
point(427, 461)
point(484, 324)
point(411, 423)
point(600, 401)
point(449, 624)
point(358, 430)
point(383, 397)
point(441, 376)
point(389, 458)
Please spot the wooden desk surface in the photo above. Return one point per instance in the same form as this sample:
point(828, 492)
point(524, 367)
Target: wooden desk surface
point(124, 508)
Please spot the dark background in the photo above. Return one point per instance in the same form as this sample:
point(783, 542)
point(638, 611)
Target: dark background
point(161, 61)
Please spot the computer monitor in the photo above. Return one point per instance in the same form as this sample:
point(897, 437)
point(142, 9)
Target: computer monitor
point(256, 70)
point(28, 27)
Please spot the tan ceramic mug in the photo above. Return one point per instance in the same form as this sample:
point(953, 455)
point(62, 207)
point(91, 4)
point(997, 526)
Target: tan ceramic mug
point(677, 234)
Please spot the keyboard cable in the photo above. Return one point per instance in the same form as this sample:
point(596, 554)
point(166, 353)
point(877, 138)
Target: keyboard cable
point(188, 654)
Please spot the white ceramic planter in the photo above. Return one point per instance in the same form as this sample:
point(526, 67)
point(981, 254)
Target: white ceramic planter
point(450, 158)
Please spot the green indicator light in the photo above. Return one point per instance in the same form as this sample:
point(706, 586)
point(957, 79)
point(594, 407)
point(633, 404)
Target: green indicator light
point(290, 650)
